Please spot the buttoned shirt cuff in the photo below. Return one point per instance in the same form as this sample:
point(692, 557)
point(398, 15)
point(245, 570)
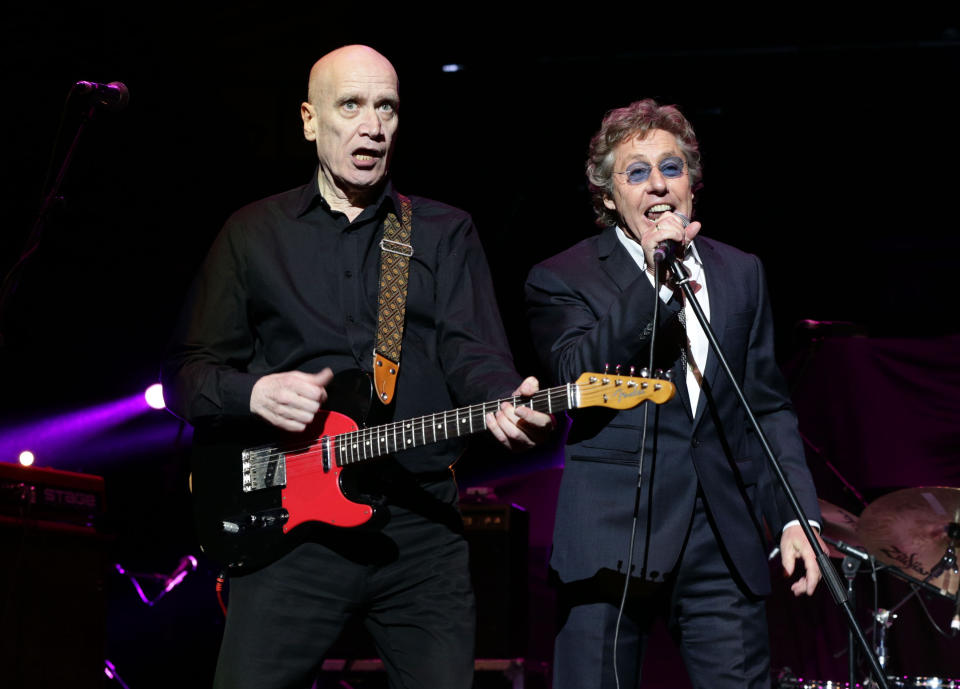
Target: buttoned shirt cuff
point(236, 392)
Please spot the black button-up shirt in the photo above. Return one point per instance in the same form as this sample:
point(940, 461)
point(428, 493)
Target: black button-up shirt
point(290, 284)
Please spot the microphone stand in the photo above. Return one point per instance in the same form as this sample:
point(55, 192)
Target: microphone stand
point(851, 564)
point(12, 278)
point(830, 576)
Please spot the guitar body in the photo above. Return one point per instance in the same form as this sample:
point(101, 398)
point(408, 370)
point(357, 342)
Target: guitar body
point(246, 529)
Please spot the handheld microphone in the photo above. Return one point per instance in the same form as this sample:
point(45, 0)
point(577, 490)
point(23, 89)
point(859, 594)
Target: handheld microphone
point(113, 96)
point(668, 249)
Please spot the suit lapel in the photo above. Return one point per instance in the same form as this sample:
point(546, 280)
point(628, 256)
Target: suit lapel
point(616, 261)
point(623, 270)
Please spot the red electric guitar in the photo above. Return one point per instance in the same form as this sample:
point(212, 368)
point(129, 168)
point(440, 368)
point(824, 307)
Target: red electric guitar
point(248, 499)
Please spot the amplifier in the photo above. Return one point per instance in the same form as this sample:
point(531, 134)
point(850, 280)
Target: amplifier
point(498, 536)
point(50, 498)
point(52, 573)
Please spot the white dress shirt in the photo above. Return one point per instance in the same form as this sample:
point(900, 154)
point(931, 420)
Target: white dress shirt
point(698, 346)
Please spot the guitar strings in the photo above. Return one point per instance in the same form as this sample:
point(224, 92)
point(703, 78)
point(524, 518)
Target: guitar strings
point(473, 413)
point(305, 465)
point(340, 443)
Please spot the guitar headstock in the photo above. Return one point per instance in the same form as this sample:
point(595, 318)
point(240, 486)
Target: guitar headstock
point(621, 392)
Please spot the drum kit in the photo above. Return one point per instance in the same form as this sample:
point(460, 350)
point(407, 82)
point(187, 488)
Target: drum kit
point(911, 534)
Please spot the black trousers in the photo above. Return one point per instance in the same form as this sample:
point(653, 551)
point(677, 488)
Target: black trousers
point(721, 630)
point(409, 583)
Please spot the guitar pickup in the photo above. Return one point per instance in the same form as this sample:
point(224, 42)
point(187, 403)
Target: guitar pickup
point(263, 467)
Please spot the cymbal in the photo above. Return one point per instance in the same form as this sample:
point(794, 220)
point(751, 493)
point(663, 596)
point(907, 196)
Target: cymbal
point(908, 529)
point(838, 525)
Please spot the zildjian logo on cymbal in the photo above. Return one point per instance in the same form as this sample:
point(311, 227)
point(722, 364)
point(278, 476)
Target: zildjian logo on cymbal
point(906, 561)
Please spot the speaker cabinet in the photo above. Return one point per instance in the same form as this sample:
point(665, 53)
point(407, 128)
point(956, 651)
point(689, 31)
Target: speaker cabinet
point(498, 538)
point(52, 604)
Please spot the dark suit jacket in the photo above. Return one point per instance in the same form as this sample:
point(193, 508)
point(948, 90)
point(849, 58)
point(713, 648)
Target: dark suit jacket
point(592, 305)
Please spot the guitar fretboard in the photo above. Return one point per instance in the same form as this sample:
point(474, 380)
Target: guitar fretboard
point(370, 443)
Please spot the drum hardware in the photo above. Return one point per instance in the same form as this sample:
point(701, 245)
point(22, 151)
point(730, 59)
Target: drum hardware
point(839, 532)
point(906, 682)
point(903, 682)
point(911, 534)
point(884, 619)
point(851, 566)
point(838, 525)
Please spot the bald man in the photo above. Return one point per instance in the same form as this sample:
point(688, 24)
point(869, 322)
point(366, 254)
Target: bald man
point(287, 297)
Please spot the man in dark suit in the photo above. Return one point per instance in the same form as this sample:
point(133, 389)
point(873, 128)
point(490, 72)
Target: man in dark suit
point(693, 536)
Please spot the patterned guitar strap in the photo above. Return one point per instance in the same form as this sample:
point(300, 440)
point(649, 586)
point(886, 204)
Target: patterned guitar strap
point(395, 253)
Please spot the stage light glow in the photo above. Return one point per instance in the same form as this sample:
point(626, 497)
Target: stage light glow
point(452, 67)
point(60, 435)
point(26, 458)
point(154, 396)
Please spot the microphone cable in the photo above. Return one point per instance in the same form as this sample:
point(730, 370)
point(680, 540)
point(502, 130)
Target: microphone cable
point(636, 503)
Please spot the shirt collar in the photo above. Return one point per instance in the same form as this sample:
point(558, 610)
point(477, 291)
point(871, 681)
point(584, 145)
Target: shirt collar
point(310, 197)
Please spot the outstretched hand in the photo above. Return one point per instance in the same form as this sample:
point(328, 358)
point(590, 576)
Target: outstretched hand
point(520, 428)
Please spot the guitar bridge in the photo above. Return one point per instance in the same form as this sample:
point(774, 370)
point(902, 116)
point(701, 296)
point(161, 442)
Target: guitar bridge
point(262, 468)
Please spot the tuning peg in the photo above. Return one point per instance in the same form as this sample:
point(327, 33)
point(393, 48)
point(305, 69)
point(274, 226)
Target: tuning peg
point(606, 368)
point(632, 369)
point(644, 372)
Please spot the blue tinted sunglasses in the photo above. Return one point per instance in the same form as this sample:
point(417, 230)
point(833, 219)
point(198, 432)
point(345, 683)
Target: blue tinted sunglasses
point(638, 173)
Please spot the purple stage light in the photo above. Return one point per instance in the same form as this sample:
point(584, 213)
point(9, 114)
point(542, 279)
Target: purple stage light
point(65, 433)
point(154, 396)
point(26, 458)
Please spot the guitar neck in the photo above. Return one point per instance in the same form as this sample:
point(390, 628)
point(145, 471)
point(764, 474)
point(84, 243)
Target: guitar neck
point(590, 390)
point(376, 441)
point(266, 466)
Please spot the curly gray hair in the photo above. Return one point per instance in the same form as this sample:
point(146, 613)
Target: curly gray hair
point(622, 124)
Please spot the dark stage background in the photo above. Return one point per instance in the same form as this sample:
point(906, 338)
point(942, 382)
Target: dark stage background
point(831, 153)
